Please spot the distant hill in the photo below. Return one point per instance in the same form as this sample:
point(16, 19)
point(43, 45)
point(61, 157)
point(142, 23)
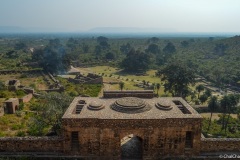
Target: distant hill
point(129, 30)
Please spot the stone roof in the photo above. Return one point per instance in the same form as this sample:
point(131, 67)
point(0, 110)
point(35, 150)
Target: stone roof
point(127, 110)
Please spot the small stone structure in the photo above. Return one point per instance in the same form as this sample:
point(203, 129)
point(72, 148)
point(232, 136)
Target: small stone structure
point(11, 105)
point(13, 84)
point(89, 79)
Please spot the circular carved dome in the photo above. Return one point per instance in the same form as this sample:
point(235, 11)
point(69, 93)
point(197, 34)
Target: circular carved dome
point(130, 105)
point(164, 105)
point(95, 105)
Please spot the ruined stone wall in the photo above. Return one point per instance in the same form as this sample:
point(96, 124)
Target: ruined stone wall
point(26, 98)
point(1, 110)
point(160, 137)
point(31, 144)
point(220, 145)
point(86, 80)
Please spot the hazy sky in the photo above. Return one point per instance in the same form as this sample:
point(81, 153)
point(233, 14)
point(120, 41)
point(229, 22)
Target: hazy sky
point(82, 15)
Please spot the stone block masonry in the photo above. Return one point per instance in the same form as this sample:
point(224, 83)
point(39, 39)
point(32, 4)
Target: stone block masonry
point(31, 144)
point(210, 145)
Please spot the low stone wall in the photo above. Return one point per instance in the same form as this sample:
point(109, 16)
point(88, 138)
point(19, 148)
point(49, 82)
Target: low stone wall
point(129, 93)
point(5, 72)
point(31, 144)
point(26, 98)
point(220, 145)
point(86, 80)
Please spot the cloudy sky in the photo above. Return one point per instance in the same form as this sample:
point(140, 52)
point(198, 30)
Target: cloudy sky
point(162, 15)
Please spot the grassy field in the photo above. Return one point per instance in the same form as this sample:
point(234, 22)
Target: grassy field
point(112, 76)
point(13, 125)
point(27, 80)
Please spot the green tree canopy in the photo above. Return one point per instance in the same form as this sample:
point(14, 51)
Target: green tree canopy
point(153, 48)
point(136, 61)
point(177, 77)
point(53, 57)
point(51, 109)
point(169, 48)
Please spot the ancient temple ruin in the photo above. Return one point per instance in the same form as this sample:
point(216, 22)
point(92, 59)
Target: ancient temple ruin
point(163, 126)
point(124, 126)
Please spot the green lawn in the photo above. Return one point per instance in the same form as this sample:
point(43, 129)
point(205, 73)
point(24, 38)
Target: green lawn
point(115, 75)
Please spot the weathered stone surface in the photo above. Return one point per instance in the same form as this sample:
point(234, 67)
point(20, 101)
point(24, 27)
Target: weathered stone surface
point(163, 132)
point(97, 131)
point(31, 144)
point(220, 145)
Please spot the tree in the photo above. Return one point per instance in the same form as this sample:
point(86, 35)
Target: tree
point(50, 111)
point(208, 92)
point(169, 48)
point(102, 39)
point(53, 57)
point(121, 85)
point(125, 48)
point(199, 88)
point(220, 49)
point(103, 42)
point(158, 87)
point(20, 46)
point(203, 98)
point(185, 43)
point(110, 56)
point(153, 40)
point(85, 48)
point(136, 61)
point(213, 103)
point(177, 77)
point(153, 48)
point(224, 103)
point(233, 100)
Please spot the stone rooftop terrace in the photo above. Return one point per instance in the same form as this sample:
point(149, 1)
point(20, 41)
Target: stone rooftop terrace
point(106, 112)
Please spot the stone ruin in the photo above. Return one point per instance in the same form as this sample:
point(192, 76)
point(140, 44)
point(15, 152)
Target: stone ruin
point(52, 83)
point(112, 127)
point(89, 79)
point(12, 84)
point(11, 105)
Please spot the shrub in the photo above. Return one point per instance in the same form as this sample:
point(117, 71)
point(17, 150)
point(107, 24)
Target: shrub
point(20, 93)
point(20, 134)
point(23, 76)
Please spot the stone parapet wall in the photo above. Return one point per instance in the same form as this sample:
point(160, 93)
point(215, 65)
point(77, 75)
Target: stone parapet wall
point(135, 123)
point(129, 93)
point(31, 144)
point(220, 145)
